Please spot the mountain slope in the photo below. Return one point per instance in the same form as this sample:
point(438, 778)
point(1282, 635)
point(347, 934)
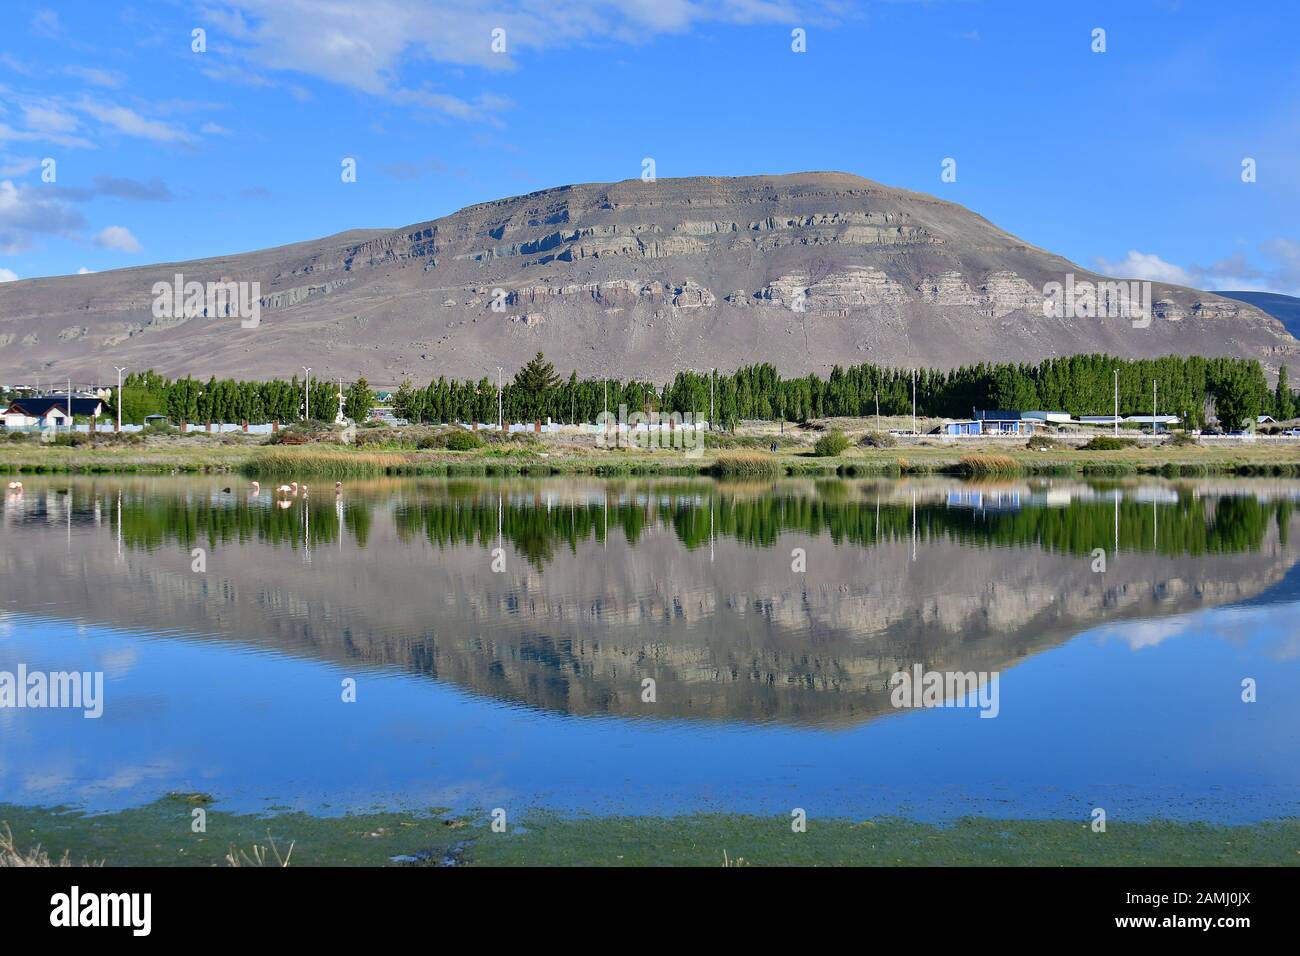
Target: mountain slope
point(630, 279)
point(1284, 308)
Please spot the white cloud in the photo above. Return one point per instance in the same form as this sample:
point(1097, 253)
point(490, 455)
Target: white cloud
point(110, 79)
point(26, 212)
point(17, 166)
point(1144, 265)
point(1272, 266)
point(8, 275)
point(128, 121)
point(45, 23)
point(44, 119)
point(7, 132)
point(367, 45)
point(83, 271)
point(117, 239)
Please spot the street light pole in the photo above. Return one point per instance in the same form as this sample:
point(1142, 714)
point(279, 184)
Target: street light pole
point(1117, 402)
point(306, 394)
point(500, 419)
point(118, 396)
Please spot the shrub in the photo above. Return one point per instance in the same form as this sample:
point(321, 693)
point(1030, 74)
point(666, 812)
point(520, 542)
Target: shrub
point(1181, 439)
point(830, 445)
point(1107, 443)
point(878, 440)
point(1044, 443)
point(462, 440)
point(301, 433)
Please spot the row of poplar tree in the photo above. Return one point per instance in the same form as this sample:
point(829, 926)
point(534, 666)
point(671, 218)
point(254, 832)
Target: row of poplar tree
point(1233, 391)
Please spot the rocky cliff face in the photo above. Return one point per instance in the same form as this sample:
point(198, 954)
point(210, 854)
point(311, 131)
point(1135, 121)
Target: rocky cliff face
point(630, 279)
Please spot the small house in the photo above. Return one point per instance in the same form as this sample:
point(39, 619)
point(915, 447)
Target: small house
point(1048, 418)
point(1153, 421)
point(962, 427)
point(50, 411)
point(1002, 422)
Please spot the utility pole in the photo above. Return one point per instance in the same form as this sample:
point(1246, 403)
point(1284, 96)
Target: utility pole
point(306, 394)
point(1153, 406)
point(877, 409)
point(118, 396)
point(913, 401)
point(500, 420)
point(71, 424)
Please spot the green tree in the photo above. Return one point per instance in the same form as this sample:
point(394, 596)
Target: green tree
point(1283, 400)
point(1237, 396)
point(358, 400)
point(404, 403)
point(535, 382)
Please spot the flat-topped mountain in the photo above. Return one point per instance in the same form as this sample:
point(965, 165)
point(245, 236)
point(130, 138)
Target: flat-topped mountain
point(632, 279)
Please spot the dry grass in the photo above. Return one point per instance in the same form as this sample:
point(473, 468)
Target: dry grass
point(983, 465)
point(11, 856)
point(301, 462)
point(259, 855)
point(741, 464)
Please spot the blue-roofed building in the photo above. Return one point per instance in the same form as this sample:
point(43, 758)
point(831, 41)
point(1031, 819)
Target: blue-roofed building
point(50, 411)
point(1003, 422)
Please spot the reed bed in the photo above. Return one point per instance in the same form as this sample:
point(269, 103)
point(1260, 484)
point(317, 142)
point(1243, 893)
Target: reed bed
point(978, 466)
point(746, 464)
point(324, 463)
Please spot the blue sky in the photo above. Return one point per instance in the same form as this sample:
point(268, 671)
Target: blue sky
point(1128, 159)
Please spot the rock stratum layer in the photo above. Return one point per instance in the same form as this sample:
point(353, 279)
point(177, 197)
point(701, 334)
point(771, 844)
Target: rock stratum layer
point(630, 279)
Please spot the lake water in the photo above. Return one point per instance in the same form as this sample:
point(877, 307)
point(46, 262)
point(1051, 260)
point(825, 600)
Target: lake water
point(225, 667)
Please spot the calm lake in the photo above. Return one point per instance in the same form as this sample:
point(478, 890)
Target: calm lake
point(769, 617)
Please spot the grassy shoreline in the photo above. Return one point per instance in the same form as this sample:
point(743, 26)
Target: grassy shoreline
point(160, 834)
point(197, 456)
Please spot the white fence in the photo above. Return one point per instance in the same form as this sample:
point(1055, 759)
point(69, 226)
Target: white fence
point(585, 428)
point(110, 426)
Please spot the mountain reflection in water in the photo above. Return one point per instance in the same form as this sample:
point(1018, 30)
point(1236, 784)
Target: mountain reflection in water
point(607, 583)
point(686, 582)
